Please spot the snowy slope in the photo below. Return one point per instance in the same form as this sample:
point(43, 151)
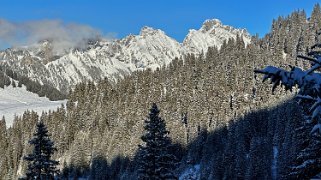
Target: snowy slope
point(151, 48)
point(14, 101)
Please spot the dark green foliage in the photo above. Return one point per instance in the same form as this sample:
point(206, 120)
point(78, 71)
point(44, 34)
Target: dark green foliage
point(20, 84)
point(14, 84)
point(4, 80)
point(41, 166)
point(258, 166)
point(156, 161)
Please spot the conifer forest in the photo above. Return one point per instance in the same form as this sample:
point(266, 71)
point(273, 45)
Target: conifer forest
point(202, 116)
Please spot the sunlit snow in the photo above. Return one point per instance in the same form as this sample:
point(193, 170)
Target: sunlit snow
point(14, 101)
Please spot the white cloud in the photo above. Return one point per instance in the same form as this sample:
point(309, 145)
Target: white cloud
point(62, 35)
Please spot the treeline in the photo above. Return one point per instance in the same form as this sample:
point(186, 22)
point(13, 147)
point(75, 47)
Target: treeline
point(5, 80)
point(155, 158)
point(216, 109)
point(42, 90)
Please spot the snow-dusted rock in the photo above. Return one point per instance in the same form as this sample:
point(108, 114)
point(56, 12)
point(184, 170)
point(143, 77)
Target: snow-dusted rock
point(212, 33)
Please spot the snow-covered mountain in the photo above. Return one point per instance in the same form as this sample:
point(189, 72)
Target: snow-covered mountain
point(212, 33)
point(152, 48)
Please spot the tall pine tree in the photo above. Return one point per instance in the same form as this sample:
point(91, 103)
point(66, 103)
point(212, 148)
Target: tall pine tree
point(41, 165)
point(156, 160)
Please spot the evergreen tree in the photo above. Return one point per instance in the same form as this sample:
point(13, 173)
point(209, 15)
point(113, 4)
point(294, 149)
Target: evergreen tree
point(3, 146)
point(41, 165)
point(307, 162)
point(156, 161)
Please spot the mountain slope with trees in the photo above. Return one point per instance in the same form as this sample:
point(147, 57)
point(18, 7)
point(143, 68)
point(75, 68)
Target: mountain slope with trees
point(219, 115)
point(113, 59)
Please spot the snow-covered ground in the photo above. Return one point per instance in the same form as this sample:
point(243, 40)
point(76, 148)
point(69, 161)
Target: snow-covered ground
point(191, 173)
point(275, 162)
point(15, 101)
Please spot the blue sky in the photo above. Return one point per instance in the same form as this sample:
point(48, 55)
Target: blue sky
point(175, 17)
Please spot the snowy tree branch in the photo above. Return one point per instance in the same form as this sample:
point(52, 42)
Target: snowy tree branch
point(308, 82)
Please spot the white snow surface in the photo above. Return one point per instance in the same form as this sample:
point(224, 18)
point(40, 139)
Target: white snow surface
point(15, 101)
point(275, 162)
point(151, 48)
point(192, 173)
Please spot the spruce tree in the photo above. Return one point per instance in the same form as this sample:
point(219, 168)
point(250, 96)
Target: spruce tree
point(3, 146)
point(156, 160)
point(41, 165)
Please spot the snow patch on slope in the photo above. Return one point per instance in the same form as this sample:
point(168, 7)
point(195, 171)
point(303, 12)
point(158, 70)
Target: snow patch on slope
point(275, 162)
point(15, 101)
point(192, 173)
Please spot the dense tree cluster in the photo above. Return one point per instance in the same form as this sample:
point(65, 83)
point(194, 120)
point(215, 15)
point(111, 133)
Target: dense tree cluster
point(4, 80)
point(8, 77)
point(156, 160)
point(308, 160)
point(218, 115)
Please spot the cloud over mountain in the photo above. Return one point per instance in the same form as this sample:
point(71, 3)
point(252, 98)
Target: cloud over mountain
point(63, 35)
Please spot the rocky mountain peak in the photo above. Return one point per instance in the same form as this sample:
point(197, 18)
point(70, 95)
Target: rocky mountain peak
point(212, 33)
point(209, 24)
point(149, 31)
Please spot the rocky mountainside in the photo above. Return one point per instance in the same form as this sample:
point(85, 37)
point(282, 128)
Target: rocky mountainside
point(212, 33)
point(102, 58)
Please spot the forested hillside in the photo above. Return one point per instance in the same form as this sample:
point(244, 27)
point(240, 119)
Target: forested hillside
point(9, 77)
point(219, 114)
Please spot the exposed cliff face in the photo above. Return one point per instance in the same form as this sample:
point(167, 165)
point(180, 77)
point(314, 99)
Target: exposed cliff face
point(152, 48)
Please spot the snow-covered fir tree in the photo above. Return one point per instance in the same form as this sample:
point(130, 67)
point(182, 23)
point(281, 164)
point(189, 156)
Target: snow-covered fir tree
point(41, 166)
point(307, 163)
point(156, 160)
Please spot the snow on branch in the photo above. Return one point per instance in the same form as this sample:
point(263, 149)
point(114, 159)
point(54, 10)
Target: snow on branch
point(316, 45)
point(308, 81)
point(316, 129)
point(283, 77)
point(305, 97)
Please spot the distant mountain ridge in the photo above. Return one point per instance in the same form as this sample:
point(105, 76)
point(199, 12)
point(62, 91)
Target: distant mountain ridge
point(152, 48)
